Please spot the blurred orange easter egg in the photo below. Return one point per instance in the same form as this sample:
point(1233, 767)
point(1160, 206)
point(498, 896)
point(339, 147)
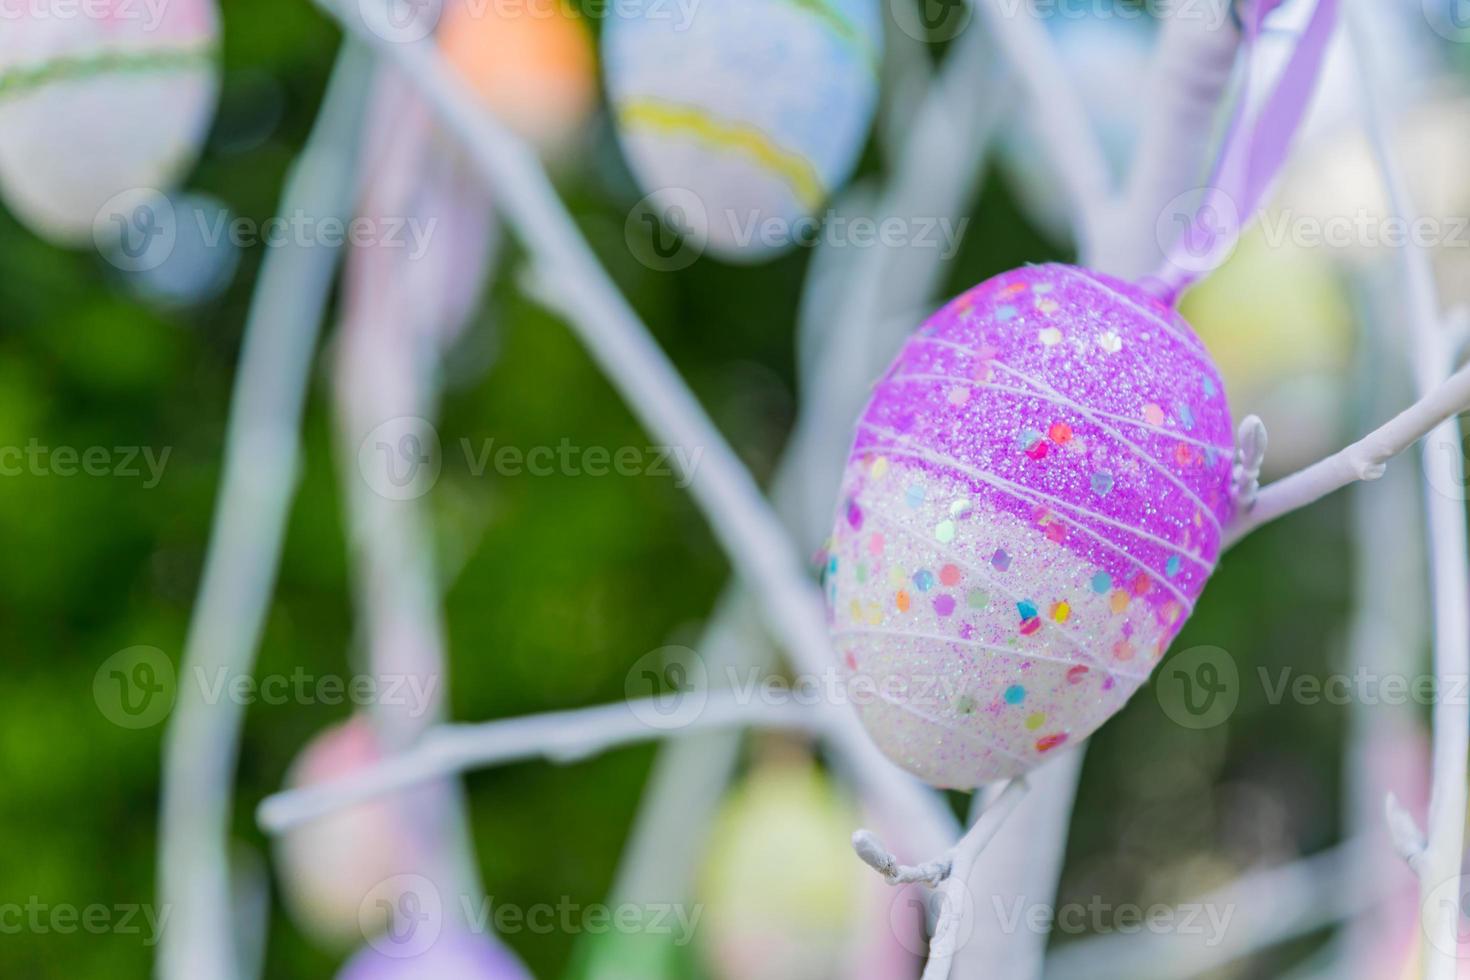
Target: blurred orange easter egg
point(530, 62)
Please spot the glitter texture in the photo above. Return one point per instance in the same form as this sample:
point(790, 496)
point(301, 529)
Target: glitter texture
point(1091, 516)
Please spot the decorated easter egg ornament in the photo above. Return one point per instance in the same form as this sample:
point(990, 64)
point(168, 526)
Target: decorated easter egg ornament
point(96, 104)
point(740, 117)
point(1039, 489)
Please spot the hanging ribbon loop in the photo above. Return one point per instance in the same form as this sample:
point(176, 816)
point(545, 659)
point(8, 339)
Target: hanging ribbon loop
point(1252, 152)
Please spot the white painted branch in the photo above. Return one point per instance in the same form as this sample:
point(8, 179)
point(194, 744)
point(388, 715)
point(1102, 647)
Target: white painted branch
point(201, 745)
point(1061, 119)
point(398, 313)
point(954, 891)
point(1450, 564)
point(561, 736)
point(849, 297)
point(1365, 459)
point(1192, 67)
point(759, 548)
point(1258, 910)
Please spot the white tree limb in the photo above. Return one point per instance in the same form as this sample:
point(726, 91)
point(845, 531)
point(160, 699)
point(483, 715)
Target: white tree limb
point(954, 891)
point(1450, 564)
point(1061, 119)
point(262, 444)
point(1365, 459)
point(1256, 911)
point(1192, 67)
point(743, 523)
point(560, 736)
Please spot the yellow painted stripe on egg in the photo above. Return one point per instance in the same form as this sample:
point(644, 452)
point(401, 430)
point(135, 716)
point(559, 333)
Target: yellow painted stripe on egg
point(665, 117)
point(843, 27)
point(27, 78)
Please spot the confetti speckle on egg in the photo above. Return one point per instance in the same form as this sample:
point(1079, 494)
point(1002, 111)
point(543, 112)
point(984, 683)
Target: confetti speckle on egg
point(1093, 549)
point(758, 108)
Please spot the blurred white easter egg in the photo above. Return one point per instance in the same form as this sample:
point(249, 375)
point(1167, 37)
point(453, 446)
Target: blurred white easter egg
point(332, 868)
point(784, 896)
point(753, 110)
point(530, 62)
point(97, 99)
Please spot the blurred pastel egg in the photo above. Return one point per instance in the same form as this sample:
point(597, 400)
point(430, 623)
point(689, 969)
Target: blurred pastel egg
point(783, 896)
point(97, 100)
point(531, 63)
point(1280, 327)
point(192, 265)
point(740, 117)
point(330, 867)
point(1034, 502)
point(452, 956)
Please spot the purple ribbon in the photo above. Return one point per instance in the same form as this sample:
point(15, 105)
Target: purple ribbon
point(1252, 153)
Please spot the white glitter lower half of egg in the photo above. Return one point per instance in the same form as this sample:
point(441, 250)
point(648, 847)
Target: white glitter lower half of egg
point(930, 590)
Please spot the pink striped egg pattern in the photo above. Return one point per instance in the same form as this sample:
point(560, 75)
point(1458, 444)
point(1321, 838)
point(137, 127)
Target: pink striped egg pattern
point(1033, 503)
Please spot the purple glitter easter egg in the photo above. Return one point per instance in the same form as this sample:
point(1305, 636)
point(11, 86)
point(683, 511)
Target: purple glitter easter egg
point(452, 956)
point(1033, 504)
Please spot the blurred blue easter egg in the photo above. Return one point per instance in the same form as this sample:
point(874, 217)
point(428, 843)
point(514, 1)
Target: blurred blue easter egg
point(740, 117)
point(190, 256)
point(97, 100)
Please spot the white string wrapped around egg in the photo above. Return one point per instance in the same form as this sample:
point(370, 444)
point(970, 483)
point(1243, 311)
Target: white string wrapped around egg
point(1038, 491)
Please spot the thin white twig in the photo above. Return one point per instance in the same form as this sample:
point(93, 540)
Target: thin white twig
point(1062, 123)
point(1250, 454)
point(560, 736)
point(260, 469)
point(1365, 459)
point(1408, 839)
point(1446, 528)
point(1258, 910)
